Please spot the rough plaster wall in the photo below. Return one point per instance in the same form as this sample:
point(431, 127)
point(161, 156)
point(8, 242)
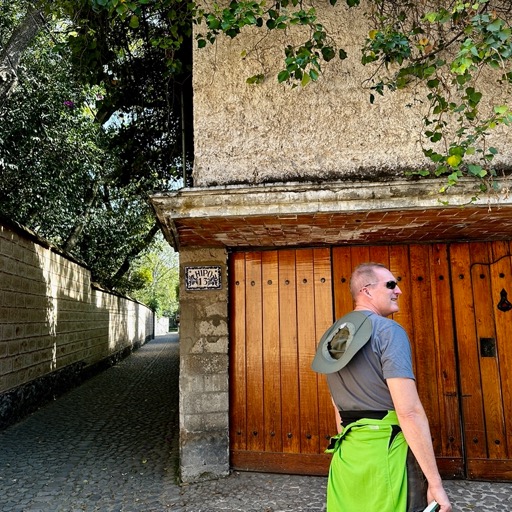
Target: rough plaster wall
point(272, 133)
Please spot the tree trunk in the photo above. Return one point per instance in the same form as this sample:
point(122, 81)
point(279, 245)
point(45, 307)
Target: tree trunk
point(133, 253)
point(78, 228)
point(19, 41)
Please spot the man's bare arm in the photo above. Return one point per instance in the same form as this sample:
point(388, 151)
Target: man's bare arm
point(414, 425)
point(337, 416)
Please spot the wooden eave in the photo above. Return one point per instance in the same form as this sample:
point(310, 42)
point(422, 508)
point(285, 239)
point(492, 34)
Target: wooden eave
point(339, 213)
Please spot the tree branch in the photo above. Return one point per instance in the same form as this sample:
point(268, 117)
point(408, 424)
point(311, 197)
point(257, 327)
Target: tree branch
point(11, 55)
point(133, 253)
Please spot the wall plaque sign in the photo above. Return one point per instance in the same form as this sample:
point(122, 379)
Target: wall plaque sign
point(203, 278)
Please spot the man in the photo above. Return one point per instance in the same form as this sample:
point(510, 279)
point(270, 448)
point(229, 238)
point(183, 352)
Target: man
point(367, 359)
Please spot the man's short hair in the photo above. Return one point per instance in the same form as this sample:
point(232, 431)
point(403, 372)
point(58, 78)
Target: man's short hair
point(362, 275)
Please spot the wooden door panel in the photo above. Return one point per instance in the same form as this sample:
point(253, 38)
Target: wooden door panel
point(380, 254)
point(254, 353)
point(489, 373)
point(471, 388)
point(423, 338)
point(237, 388)
point(306, 337)
point(483, 334)
point(285, 406)
point(323, 320)
point(342, 269)
point(501, 281)
point(271, 352)
point(448, 422)
point(399, 267)
point(359, 254)
point(289, 353)
point(423, 275)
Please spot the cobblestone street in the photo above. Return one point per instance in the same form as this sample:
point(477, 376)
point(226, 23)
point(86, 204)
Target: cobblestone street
point(112, 445)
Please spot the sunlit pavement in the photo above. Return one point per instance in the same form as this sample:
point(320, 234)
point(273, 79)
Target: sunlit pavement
point(112, 445)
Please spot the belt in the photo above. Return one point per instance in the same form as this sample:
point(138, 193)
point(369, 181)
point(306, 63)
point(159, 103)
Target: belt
point(348, 417)
point(351, 416)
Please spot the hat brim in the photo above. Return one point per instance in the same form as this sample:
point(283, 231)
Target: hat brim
point(360, 327)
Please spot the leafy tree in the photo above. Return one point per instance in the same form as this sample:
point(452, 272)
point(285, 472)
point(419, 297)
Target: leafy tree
point(82, 148)
point(158, 270)
point(52, 155)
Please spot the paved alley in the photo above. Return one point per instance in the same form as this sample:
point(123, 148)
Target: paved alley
point(111, 445)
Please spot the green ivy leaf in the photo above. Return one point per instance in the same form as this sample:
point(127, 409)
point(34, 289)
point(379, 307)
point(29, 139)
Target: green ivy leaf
point(328, 53)
point(495, 26)
point(283, 76)
point(305, 80)
point(256, 79)
point(501, 109)
point(454, 160)
point(453, 178)
point(477, 170)
point(213, 22)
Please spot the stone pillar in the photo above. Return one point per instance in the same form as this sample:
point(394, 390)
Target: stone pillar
point(204, 393)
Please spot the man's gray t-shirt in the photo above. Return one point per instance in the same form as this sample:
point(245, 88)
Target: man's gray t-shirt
point(361, 385)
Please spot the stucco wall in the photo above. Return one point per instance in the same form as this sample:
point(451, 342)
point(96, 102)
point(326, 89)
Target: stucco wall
point(327, 130)
point(54, 324)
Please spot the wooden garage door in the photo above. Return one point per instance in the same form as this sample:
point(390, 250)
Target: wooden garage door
point(281, 303)
point(482, 289)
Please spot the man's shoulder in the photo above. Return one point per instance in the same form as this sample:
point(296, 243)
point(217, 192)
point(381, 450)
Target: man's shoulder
point(383, 320)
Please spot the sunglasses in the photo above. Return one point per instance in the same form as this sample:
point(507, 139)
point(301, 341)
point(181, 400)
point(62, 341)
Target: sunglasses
point(390, 285)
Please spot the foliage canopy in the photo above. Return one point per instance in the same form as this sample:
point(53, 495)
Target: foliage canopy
point(102, 102)
point(445, 46)
point(84, 142)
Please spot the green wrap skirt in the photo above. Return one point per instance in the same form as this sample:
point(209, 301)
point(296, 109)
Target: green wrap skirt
point(368, 470)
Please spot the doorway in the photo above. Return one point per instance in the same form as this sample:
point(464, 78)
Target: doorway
point(282, 301)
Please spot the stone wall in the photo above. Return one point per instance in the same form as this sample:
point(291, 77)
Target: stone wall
point(56, 327)
point(204, 395)
point(328, 130)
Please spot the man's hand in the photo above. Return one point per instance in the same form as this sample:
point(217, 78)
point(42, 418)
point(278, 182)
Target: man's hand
point(414, 425)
